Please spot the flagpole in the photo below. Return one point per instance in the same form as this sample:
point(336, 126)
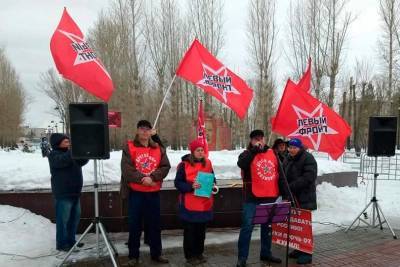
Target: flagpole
point(162, 103)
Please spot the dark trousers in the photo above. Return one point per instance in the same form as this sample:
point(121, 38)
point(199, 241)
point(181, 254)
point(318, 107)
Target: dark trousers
point(68, 214)
point(144, 207)
point(246, 230)
point(194, 235)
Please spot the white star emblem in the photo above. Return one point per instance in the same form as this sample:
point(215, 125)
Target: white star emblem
point(319, 111)
point(222, 86)
point(80, 57)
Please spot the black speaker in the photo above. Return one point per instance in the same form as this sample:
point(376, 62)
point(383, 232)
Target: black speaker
point(382, 136)
point(89, 130)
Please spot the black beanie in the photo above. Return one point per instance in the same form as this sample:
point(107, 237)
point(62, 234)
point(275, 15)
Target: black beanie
point(143, 123)
point(56, 139)
point(256, 133)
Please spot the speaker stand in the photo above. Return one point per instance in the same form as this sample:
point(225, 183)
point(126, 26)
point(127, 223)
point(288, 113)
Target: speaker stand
point(99, 228)
point(377, 212)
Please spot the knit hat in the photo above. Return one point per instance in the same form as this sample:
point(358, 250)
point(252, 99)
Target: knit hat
point(144, 123)
point(56, 139)
point(296, 143)
point(256, 133)
point(195, 144)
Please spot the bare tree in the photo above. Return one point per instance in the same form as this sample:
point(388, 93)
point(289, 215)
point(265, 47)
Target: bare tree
point(118, 39)
point(62, 92)
point(205, 20)
point(307, 28)
point(389, 44)
point(338, 23)
point(261, 31)
point(12, 103)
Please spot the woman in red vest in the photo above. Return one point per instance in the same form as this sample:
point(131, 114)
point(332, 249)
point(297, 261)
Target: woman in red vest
point(194, 211)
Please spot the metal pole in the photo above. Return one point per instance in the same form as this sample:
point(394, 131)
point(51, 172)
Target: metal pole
point(162, 103)
point(96, 206)
point(374, 194)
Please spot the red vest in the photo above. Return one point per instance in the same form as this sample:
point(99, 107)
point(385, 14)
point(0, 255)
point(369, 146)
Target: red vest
point(264, 174)
point(146, 160)
point(192, 202)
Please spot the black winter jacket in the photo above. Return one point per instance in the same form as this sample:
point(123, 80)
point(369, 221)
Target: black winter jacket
point(66, 174)
point(301, 172)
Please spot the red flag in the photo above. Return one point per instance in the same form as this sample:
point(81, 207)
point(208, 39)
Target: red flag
point(76, 61)
point(305, 81)
point(302, 116)
point(201, 68)
point(201, 128)
point(114, 119)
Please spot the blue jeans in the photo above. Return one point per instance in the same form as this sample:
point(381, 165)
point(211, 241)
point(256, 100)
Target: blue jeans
point(68, 213)
point(144, 206)
point(246, 230)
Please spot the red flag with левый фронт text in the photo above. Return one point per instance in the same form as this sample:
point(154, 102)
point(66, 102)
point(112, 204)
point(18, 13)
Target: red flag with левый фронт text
point(201, 68)
point(302, 116)
point(77, 62)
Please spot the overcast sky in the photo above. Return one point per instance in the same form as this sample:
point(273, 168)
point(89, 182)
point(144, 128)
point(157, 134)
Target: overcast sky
point(26, 27)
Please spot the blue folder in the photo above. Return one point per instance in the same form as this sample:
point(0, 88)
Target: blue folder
point(206, 180)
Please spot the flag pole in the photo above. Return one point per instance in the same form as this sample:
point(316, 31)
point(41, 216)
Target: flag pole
point(162, 103)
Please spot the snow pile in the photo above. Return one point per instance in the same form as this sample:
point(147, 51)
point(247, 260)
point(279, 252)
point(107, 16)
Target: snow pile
point(22, 171)
point(24, 234)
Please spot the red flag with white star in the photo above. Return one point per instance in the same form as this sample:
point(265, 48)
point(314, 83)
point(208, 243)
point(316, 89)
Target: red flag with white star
point(201, 68)
point(201, 128)
point(76, 61)
point(302, 116)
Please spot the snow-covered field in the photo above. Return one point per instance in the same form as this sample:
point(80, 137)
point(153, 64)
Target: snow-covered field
point(28, 239)
point(22, 171)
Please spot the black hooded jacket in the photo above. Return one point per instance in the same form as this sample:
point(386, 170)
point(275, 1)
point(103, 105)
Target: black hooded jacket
point(66, 173)
point(301, 172)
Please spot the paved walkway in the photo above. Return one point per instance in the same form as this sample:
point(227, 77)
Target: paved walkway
point(361, 247)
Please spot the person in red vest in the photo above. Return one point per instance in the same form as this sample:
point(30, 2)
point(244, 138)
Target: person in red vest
point(261, 184)
point(144, 165)
point(194, 211)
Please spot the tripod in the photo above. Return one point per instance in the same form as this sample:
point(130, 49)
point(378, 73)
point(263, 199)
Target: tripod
point(99, 227)
point(376, 209)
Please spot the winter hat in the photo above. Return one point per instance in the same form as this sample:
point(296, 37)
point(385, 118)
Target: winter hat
point(278, 142)
point(296, 142)
point(143, 123)
point(56, 139)
point(256, 133)
point(195, 144)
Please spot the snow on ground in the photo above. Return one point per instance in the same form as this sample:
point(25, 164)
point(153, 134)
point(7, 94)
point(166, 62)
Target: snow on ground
point(22, 171)
point(32, 236)
point(29, 240)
